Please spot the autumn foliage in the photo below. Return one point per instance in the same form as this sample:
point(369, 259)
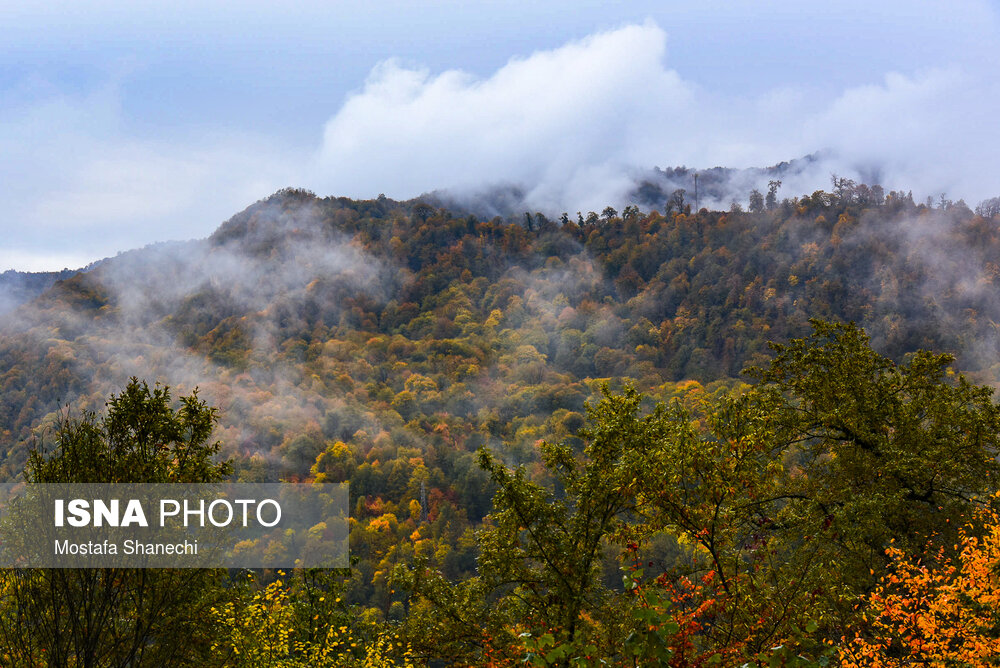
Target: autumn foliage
point(939, 610)
point(529, 411)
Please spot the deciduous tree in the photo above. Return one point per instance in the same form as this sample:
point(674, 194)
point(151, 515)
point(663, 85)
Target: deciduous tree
point(115, 616)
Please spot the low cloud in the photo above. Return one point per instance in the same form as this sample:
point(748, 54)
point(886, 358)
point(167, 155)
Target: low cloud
point(265, 278)
point(573, 126)
point(563, 122)
point(932, 132)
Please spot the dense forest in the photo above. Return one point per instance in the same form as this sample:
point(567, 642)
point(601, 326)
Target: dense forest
point(631, 437)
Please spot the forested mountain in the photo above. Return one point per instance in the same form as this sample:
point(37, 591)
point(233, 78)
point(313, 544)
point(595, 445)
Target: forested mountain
point(385, 342)
point(356, 304)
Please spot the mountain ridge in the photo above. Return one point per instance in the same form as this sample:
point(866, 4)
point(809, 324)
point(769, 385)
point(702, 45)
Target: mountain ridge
point(385, 342)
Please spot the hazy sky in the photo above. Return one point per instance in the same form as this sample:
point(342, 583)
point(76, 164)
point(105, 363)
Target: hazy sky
point(121, 126)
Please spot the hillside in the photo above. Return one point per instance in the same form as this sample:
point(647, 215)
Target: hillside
point(303, 315)
point(384, 342)
point(304, 285)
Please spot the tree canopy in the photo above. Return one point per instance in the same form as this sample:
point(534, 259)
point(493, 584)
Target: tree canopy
point(117, 616)
point(387, 343)
point(779, 501)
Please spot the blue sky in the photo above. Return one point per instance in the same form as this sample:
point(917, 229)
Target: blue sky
point(122, 125)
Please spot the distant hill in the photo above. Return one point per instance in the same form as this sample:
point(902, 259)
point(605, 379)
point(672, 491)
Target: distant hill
point(19, 287)
point(716, 187)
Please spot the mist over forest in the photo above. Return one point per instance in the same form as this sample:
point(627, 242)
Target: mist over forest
point(628, 334)
point(640, 294)
point(418, 348)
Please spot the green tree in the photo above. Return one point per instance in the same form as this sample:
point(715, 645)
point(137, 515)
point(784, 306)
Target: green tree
point(782, 497)
point(876, 451)
point(540, 553)
point(793, 491)
point(116, 616)
point(771, 200)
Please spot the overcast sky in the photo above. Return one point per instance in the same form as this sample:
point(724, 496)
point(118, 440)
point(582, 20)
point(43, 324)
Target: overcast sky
point(122, 126)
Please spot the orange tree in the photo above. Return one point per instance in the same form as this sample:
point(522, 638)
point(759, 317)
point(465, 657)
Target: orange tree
point(938, 610)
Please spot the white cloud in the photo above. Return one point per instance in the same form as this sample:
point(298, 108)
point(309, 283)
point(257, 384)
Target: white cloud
point(570, 123)
point(931, 132)
point(93, 164)
point(563, 121)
